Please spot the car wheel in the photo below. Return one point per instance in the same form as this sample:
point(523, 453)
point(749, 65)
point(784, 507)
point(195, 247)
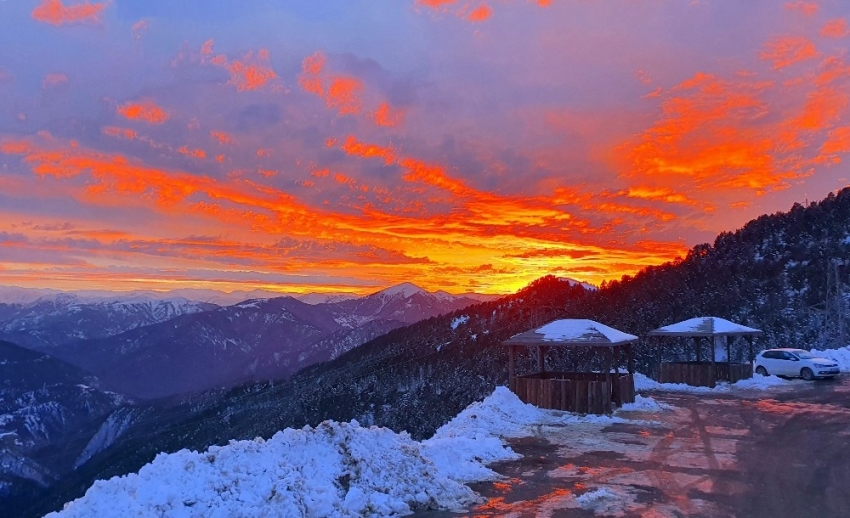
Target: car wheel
point(807, 374)
point(761, 371)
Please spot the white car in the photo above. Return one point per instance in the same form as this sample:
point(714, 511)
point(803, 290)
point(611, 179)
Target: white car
point(794, 362)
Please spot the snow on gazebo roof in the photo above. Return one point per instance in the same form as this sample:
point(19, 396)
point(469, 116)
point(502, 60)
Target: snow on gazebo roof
point(705, 326)
point(571, 332)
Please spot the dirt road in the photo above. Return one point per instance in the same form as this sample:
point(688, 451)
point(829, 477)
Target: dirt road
point(778, 453)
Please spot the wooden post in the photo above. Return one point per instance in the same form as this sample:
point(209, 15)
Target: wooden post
point(511, 369)
point(540, 365)
point(728, 350)
point(697, 344)
point(660, 343)
point(630, 359)
point(750, 340)
point(608, 355)
point(713, 380)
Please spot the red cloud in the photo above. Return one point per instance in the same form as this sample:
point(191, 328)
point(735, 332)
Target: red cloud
point(145, 110)
point(56, 13)
point(836, 28)
point(788, 50)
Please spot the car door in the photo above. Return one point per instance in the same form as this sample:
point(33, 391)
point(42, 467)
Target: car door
point(771, 362)
point(788, 364)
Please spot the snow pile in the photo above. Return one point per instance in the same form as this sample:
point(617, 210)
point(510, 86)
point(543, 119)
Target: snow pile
point(335, 469)
point(599, 500)
point(840, 355)
point(644, 404)
point(643, 383)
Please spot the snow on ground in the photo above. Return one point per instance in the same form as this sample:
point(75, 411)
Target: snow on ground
point(840, 355)
point(335, 469)
point(344, 469)
point(459, 320)
point(644, 383)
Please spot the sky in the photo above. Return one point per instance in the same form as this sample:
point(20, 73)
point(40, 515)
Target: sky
point(349, 145)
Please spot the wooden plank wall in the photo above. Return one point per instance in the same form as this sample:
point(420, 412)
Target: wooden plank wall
point(703, 374)
point(591, 394)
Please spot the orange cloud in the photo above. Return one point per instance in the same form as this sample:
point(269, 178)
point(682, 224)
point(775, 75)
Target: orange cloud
point(435, 4)
point(836, 28)
point(52, 80)
point(480, 13)
point(139, 29)
point(807, 8)
point(207, 48)
point(837, 142)
point(311, 70)
point(145, 110)
point(252, 72)
point(344, 95)
point(387, 116)
point(473, 228)
point(56, 13)
point(704, 136)
point(341, 93)
point(222, 137)
point(788, 50)
point(194, 153)
point(114, 131)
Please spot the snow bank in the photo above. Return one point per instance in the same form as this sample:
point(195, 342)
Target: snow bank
point(840, 355)
point(335, 469)
point(644, 383)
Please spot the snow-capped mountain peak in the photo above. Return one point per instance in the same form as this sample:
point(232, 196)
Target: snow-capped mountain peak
point(405, 289)
point(574, 282)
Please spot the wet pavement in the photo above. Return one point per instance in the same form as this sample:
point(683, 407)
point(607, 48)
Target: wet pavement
point(774, 453)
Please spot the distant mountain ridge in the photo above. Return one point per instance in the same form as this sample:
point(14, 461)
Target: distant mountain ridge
point(57, 319)
point(256, 339)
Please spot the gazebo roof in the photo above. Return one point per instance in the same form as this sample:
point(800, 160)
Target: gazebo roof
point(572, 332)
point(705, 326)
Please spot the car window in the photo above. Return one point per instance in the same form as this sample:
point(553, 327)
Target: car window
point(804, 355)
point(773, 355)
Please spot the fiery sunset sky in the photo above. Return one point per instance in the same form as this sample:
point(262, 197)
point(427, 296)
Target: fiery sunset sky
point(348, 145)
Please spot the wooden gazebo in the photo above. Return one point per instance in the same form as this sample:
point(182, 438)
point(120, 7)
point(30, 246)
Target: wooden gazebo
point(705, 372)
point(584, 392)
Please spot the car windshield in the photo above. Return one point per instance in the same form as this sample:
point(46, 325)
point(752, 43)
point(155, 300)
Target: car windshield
point(804, 355)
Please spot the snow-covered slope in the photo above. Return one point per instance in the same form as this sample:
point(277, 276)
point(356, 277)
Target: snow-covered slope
point(45, 406)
